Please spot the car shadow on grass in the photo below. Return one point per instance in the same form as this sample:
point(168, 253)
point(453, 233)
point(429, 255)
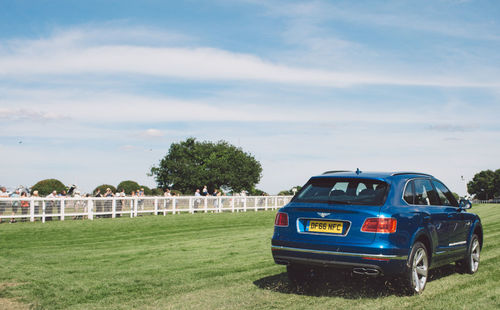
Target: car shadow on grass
point(344, 284)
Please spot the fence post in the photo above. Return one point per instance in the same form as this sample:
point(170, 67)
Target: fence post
point(43, 211)
point(232, 204)
point(136, 206)
point(173, 205)
point(275, 202)
point(191, 205)
point(245, 204)
point(62, 204)
point(265, 203)
point(156, 206)
point(90, 203)
point(206, 204)
point(113, 207)
point(165, 207)
point(219, 204)
point(255, 203)
point(32, 210)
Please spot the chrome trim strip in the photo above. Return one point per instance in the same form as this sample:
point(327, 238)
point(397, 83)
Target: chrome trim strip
point(383, 256)
point(324, 220)
point(457, 243)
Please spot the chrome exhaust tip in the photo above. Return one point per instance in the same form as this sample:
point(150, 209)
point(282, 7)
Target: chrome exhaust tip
point(366, 271)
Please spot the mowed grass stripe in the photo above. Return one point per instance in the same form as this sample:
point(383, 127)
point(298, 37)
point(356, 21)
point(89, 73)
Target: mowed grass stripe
point(209, 261)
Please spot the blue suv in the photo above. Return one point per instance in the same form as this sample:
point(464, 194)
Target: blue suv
point(393, 224)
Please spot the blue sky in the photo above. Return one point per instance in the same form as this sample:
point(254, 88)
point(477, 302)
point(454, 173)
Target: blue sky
point(95, 92)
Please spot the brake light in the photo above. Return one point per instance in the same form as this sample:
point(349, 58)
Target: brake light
point(281, 219)
point(380, 225)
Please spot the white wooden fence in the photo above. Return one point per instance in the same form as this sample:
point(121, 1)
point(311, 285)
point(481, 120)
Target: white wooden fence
point(61, 208)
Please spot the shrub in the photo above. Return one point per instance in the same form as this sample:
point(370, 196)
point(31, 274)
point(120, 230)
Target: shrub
point(46, 187)
point(103, 188)
point(128, 186)
point(147, 190)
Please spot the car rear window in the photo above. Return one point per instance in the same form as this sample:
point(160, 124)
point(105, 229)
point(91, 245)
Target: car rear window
point(355, 191)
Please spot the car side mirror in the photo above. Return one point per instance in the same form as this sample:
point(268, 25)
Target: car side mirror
point(464, 204)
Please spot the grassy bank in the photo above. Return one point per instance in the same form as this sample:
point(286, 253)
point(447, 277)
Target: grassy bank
point(212, 261)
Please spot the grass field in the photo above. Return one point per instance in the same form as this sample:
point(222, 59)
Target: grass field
point(203, 261)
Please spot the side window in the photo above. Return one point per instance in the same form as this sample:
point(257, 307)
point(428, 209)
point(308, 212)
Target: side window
point(445, 195)
point(425, 193)
point(408, 194)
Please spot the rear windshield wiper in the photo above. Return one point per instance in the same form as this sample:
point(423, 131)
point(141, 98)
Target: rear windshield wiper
point(342, 202)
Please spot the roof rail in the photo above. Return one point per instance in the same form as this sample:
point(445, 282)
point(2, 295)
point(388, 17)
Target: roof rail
point(410, 172)
point(336, 171)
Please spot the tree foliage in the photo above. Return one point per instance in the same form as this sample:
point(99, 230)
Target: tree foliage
point(485, 184)
point(128, 186)
point(45, 187)
point(103, 188)
point(290, 191)
point(256, 192)
point(157, 192)
point(191, 164)
point(147, 190)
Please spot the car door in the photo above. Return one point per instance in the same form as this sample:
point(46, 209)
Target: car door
point(458, 228)
point(428, 201)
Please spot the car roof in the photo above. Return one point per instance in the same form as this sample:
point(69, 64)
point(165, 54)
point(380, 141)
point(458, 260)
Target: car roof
point(369, 174)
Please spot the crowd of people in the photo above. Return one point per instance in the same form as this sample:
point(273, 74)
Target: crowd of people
point(53, 206)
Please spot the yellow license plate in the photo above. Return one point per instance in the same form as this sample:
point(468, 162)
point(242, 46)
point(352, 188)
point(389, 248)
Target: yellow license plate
point(325, 227)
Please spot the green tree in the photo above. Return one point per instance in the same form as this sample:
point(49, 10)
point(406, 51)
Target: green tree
point(485, 184)
point(147, 190)
point(256, 192)
point(191, 164)
point(128, 186)
point(157, 192)
point(45, 187)
point(103, 188)
point(290, 191)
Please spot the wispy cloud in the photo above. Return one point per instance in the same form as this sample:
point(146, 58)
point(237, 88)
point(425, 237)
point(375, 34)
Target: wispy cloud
point(453, 128)
point(64, 57)
point(425, 17)
point(153, 133)
point(32, 115)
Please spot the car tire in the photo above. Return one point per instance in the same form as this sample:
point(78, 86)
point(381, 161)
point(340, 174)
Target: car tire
point(470, 264)
point(415, 278)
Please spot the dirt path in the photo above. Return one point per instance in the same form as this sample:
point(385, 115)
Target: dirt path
point(8, 303)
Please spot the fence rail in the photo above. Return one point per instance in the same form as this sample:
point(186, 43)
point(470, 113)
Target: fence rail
point(486, 201)
point(61, 208)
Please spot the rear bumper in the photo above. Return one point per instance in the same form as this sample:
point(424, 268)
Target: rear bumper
point(382, 263)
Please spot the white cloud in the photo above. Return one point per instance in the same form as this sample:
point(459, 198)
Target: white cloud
point(425, 18)
point(153, 133)
point(34, 114)
point(60, 55)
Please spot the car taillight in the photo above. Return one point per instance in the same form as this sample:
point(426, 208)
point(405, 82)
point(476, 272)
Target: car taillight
point(281, 219)
point(380, 225)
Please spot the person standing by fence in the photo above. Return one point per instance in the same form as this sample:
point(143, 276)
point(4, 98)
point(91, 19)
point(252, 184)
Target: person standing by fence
point(120, 202)
point(25, 206)
point(36, 202)
point(98, 203)
point(49, 204)
point(3, 204)
point(15, 204)
point(108, 202)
